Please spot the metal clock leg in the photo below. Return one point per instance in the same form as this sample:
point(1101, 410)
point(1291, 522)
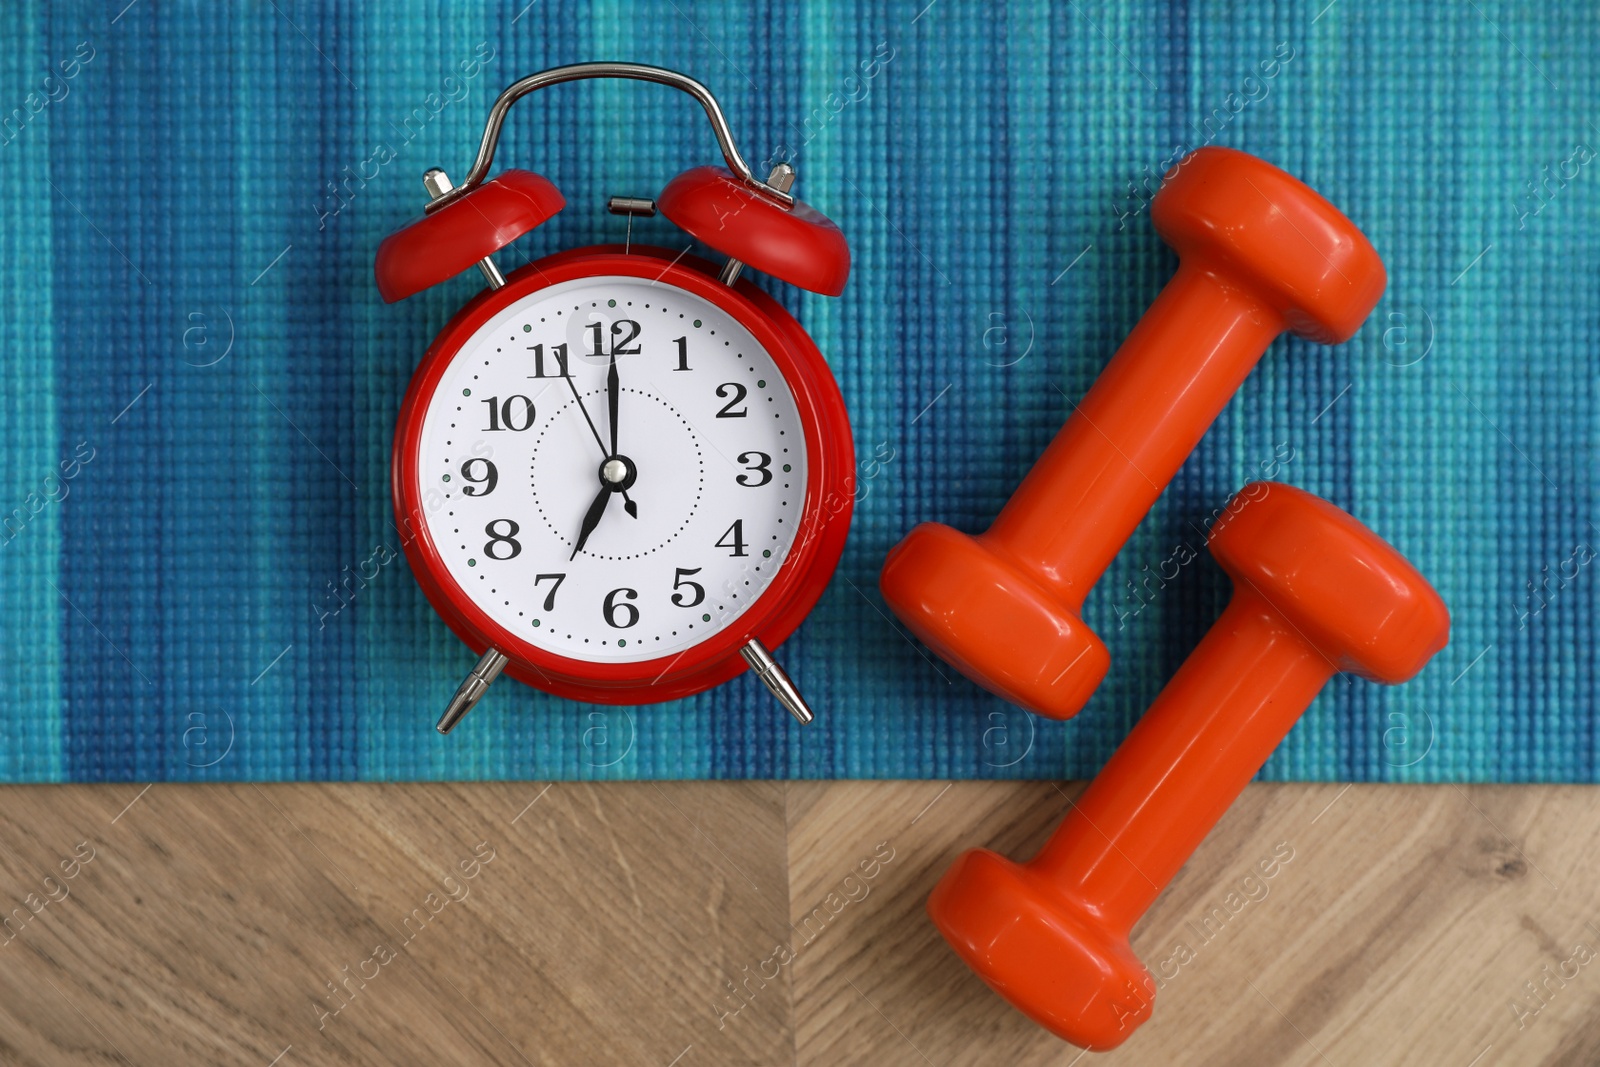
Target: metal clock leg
point(776, 681)
point(472, 689)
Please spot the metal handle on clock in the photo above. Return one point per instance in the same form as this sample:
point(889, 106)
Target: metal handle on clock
point(631, 71)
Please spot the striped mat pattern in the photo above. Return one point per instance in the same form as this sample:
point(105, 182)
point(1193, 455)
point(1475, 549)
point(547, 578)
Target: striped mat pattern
point(200, 382)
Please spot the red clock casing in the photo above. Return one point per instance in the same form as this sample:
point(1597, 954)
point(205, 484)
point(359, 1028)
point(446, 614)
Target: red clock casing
point(804, 572)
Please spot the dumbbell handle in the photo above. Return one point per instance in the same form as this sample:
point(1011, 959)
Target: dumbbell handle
point(1133, 430)
point(1186, 761)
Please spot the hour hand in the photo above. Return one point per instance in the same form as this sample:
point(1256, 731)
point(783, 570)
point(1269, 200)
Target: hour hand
point(591, 519)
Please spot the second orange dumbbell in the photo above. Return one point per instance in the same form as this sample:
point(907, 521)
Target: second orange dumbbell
point(1260, 253)
point(1315, 592)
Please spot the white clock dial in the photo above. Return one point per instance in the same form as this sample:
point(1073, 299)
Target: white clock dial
point(706, 485)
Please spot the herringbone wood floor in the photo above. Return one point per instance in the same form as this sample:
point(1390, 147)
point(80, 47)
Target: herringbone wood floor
point(765, 923)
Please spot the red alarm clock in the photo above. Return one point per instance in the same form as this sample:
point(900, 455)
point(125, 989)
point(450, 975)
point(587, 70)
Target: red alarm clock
point(622, 474)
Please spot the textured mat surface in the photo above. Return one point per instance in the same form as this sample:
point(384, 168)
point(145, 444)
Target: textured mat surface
point(200, 382)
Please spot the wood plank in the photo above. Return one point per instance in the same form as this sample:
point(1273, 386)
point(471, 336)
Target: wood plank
point(227, 924)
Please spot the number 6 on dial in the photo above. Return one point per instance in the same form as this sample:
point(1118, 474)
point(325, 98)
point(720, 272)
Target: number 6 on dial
point(661, 431)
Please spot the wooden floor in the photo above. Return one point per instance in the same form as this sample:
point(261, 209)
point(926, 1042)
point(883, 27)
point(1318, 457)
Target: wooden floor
point(766, 923)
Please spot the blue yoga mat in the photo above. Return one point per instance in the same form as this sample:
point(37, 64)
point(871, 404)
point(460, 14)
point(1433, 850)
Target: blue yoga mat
point(201, 381)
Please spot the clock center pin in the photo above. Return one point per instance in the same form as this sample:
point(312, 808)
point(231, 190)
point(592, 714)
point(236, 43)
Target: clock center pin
point(617, 472)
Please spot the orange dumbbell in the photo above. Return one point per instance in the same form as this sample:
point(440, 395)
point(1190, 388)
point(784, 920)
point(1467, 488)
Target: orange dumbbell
point(1259, 253)
point(1315, 592)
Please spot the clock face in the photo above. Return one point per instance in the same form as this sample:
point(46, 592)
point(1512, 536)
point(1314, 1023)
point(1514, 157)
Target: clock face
point(594, 552)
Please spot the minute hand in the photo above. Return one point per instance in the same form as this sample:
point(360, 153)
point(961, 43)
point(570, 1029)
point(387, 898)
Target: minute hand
point(611, 400)
point(612, 389)
point(627, 502)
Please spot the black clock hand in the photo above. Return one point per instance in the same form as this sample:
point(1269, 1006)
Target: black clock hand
point(627, 501)
point(611, 401)
point(574, 387)
point(591, 519)
point(612, 390)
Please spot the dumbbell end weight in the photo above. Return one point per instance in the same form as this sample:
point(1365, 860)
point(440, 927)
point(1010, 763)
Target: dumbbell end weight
point(991, 620)
point(1050, 956)
point(1243, 219)
point(1340, 588)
